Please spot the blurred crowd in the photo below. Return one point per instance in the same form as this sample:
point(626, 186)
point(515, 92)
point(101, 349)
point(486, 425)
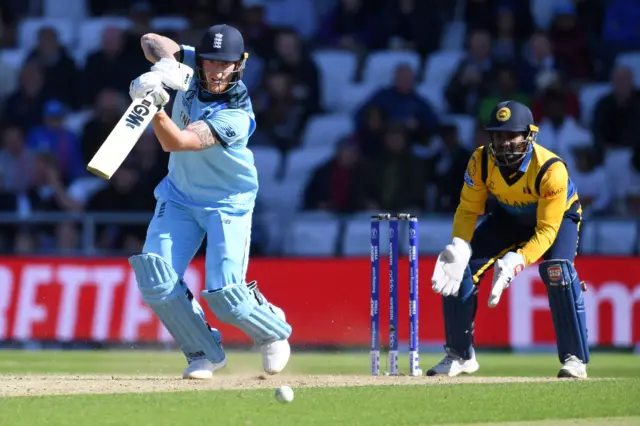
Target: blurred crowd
point(404, 153)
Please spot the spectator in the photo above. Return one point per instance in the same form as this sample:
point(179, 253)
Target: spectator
point(52, 137)
point(537, 61)
point(259, 36)
point(298, 15)
point(571, 43)
point(616, 128)
point(23, 108)
point(449, 166)
point(60, 71)
point(560, 132)
point(621, 25)
point(338, 184)
point(369, 131)
point(396, 179)
point(551, 82)
point(108, 109)
point(348, 26)
point(282, 117)
point(108, 67)
point(401, 103)
point(125, 193)
point(506, 47)
point(480, 15)
point(291, 59)
point(506, 88)
point(408, 24)
point(472, 80)
point(16, 161)
point(591, 182)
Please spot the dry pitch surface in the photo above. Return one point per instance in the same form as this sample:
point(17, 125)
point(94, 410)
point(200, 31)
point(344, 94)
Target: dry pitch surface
point(29, 385)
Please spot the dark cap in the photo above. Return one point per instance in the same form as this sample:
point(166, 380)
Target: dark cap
point(222, 43)
point(510, 116)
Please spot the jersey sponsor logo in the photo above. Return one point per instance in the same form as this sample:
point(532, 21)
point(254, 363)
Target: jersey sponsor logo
point(468, 180)
point(503, 114)
point(553, 193)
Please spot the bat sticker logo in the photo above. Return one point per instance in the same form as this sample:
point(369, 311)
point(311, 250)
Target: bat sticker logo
point(138, 112)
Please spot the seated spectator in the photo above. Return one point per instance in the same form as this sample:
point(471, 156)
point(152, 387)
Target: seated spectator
point(60, 71)
point(506, 47)
point(108, 109)
point(591, 181)
point(551, 82)
point(408, 24)
point(108, 67)
point(338, 185)
point(537, 60)
point(620, 30)
point(16, 161)
point(369, 131)
point(396, 179)
point(290, 58)
point(616, 128)
point(472, 80)
point(560, 132)
point(259, 36)
point(480, 15)
point(125, 193)
point(54, 138)
point(571, 43)
point(449, 166)
point(281, 116)
point(300, 15)
point(23, 108)
point(348, 26)
point(401, 103)
point(506, 88)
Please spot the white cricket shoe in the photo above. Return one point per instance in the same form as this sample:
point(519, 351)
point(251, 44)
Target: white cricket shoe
point(573, 368)
point(452, 366)
point(275, 355)
point(202, 369)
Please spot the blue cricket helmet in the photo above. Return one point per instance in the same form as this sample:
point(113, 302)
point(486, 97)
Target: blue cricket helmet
point(514, 117)
point(222, 43)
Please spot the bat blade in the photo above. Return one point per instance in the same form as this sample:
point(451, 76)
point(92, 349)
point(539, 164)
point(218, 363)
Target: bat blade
point(124, 136)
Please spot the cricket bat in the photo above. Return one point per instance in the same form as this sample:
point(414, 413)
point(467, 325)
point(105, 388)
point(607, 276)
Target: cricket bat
point(115, 149)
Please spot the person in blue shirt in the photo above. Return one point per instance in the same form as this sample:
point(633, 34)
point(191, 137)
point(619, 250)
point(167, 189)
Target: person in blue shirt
point(210, 189)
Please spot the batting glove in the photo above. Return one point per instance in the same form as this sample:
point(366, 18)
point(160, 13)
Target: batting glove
point(144, 84)
point(450, 267)
point(504, 271)
point(159, 96)
point(173, 74)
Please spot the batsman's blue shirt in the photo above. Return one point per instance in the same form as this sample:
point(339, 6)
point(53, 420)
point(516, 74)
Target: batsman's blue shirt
point(224, 175)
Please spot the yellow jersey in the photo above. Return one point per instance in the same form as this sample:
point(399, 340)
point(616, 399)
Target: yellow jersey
point(537, 193)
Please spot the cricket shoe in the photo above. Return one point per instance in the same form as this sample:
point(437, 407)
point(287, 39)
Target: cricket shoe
point(275, 355)
point(202, 369)
point(573, 368)
point(452, 365)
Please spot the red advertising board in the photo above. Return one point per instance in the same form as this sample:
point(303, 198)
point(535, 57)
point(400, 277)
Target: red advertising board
point(326, 301)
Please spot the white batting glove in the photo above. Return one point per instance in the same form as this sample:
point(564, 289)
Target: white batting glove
point(159, 96)
point(144, 84)
point(173, 74)
point(504, 271)
point(450, 267)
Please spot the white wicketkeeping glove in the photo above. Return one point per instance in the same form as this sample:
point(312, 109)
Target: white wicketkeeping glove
point(174, 74)
point(504, 271)
point(450, 267)
point(144, 84)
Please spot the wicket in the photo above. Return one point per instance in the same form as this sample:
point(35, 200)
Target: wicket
point(414, 341)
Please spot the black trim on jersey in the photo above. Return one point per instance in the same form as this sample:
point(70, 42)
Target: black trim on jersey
point(216, 135)
point(512, 178)
point(484, 165)
point(544, 169)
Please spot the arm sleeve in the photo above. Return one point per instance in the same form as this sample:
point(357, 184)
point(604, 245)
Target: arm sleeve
point(551, 207)
point(188, 56)
point(230, 126)
point(472, 199)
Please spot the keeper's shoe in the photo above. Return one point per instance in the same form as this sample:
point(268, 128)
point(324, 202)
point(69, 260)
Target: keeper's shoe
point(573, 368)
point(452, 366)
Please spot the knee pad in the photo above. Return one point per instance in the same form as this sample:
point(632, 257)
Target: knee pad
point(243, 306)
point(567, 308)
point(171, 301)
point(459, 314)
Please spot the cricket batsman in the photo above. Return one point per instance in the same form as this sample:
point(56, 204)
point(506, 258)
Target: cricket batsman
point(210, 189)
point(537, 216)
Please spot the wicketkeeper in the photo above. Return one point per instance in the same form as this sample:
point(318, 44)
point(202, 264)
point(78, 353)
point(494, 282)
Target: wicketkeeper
point(537, 216)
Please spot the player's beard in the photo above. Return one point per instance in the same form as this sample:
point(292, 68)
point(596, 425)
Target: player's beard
point(509, 153)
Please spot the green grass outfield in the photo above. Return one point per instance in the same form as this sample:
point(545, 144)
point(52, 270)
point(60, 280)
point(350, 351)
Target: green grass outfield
point(143, 388)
